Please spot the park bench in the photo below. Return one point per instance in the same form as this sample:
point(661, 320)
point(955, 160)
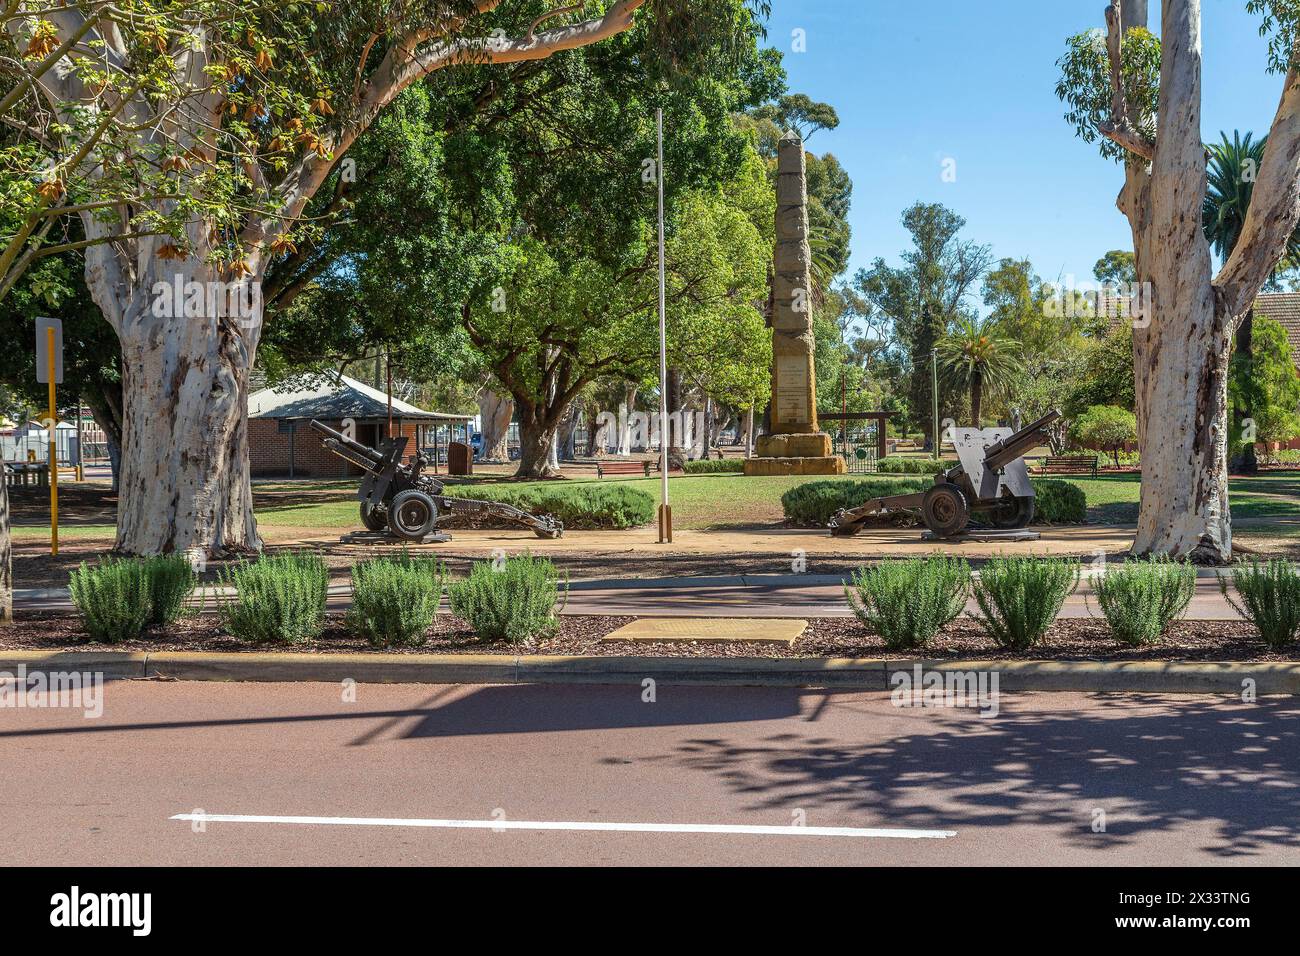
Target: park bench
point(622, 467)
point(1069, 465)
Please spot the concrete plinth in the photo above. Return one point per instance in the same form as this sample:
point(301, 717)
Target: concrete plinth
point(813, 465)
point(805, 445)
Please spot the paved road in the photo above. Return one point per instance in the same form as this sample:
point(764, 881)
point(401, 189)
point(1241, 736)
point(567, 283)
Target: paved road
point(1181, 780)
point(770, 595)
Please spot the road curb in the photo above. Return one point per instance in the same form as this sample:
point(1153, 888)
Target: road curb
point(113, 665)
point(362, 668)
point(855, 673)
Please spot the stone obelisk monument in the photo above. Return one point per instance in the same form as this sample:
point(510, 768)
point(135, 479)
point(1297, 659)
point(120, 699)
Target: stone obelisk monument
point(794, 445)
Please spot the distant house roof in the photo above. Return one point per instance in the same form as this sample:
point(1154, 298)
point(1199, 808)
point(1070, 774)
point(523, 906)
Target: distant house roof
point(332, 399)
point(1283, 308)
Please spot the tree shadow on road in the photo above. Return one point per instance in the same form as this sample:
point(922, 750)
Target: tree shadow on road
point(1231, 771)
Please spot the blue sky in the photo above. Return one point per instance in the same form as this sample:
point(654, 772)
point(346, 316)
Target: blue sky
point(919, 81)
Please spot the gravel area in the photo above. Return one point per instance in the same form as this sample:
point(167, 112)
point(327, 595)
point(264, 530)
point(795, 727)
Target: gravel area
point(580, 635)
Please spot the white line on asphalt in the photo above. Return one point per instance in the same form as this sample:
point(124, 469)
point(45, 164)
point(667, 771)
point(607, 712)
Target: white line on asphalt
point(730, 828)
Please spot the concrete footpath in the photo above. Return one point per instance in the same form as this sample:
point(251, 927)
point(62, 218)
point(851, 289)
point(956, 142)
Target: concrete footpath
point(763, 595)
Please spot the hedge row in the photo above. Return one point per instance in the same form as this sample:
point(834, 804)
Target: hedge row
point(582, 507)
point(900, 465)
point(714, 466)
point(812, 505)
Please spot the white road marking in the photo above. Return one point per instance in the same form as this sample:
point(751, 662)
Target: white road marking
point(729, 828)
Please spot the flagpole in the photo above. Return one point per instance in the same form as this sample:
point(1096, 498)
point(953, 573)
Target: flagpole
point(665, 509)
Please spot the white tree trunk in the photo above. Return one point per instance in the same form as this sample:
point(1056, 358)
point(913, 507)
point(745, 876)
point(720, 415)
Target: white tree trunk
point(625, 432)
point(495, 411)
point(1182, 344)
point(184, 485)
point(1182, 408)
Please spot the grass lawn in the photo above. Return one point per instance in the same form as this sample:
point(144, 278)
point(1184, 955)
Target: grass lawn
point(724, 500)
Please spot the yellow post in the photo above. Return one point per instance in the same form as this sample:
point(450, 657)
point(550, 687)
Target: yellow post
point(54, 450)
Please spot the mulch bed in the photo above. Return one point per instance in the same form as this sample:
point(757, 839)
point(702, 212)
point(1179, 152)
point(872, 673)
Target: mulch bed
point(580, 635)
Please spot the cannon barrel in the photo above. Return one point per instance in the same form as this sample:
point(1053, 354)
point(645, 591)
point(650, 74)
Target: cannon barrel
point(1001, 453)
point(369, 454)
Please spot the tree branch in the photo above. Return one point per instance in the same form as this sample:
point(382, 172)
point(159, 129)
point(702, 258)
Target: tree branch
point(1274, 208)
point(1120, 129)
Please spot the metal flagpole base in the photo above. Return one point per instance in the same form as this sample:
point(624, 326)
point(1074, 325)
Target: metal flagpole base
point(665, 524)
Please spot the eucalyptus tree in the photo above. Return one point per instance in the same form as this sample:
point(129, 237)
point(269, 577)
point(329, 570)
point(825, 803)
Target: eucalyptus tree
point(1139, 98)
point(198, 133)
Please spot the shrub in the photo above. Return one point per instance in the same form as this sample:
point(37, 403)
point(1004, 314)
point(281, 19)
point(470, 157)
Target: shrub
point(1019, 598)
point(1140, 598)
point(813, 503)
point(1270, 598)
point(1108, 427)
point(1058, 502)
point(119, 597)
point(906, 602)
point(512, 600)
point(395, 600)
point(277, 599)
point(171, 579)
point(585, 506)
point(714, 466)
point(114, 598)
point(902, 465)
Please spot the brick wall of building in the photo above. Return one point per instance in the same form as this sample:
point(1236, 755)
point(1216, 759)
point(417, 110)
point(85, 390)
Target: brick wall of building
point(268, 448)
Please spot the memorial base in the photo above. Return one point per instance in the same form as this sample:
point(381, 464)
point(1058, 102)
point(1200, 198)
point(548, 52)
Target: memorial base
point(796, 445)
point(811, 465)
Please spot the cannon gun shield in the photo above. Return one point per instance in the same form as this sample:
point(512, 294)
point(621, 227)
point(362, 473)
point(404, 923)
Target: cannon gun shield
point(991, 480)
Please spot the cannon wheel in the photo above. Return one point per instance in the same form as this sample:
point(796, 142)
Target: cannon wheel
point(412, 515)
point(1012, 513)
point(945, 511)
point(374, 519)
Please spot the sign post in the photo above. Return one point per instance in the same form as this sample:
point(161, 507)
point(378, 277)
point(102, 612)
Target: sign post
point(49, 368)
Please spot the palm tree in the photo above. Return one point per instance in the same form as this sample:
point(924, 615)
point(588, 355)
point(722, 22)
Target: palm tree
point(1233, 166)
point(978, 354)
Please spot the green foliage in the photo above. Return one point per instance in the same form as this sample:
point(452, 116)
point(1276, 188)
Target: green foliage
point(1270, 598)
point(1107, 427)
point(904, 465)
point(714, 466)
point(1116, 267)
point(907, 602)
point(512, 600)
point(1141, 598)
point(1104, 377)
point(1058, 502)
point(1019, 598)
point(171, 580)
point(1264, 381)
point(581, 507)
point(1084, 85)
point(278, 599)
point(979, 355)
point(119, 597)
point(395, 600)
point(114, 598)
point(923, 296)
point(1280, 23)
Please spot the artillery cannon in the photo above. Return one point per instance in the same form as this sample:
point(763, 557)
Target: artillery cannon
point(402, 499)
point(991, 479)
